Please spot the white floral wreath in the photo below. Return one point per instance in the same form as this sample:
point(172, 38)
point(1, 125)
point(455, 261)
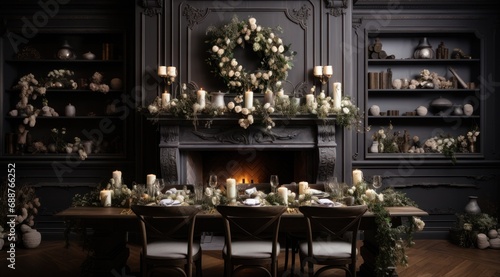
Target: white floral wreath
point(276, 58)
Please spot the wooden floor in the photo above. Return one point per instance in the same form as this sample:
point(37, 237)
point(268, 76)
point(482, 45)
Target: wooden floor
point(427, 258)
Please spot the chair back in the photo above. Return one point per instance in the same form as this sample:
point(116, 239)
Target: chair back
point(333, 222)
point(251, 223)
point(174, 223)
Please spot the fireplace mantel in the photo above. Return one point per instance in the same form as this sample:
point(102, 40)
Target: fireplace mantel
point(224, 133)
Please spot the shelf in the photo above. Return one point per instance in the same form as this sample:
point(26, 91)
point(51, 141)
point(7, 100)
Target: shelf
point(52, 61)
point(41, 117)
point(422, 90)
point(60, 90)
point(371, 117)
point(421, 61)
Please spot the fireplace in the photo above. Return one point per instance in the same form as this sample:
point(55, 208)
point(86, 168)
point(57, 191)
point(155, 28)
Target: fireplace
point(299, 149)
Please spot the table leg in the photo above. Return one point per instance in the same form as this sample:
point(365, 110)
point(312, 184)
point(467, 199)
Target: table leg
point(369, 252)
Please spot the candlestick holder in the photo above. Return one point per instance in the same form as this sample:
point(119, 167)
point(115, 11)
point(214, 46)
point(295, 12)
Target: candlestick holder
point(169, 75)
point(323, 73)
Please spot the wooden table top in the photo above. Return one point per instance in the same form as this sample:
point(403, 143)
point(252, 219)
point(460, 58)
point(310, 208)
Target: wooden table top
point(116, 213)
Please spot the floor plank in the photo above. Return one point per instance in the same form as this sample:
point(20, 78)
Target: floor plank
point(428, 258)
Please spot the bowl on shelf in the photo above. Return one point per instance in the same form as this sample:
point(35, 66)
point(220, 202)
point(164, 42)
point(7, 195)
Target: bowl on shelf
point(441, 105)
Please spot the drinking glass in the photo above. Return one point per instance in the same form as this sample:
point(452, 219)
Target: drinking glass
point(377, 181)
point(212, 181)
point(274, 182)
point(333, 189)
point(159, 185)
point(198, 193)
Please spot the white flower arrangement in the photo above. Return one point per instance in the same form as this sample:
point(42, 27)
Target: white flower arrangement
point(276, 57)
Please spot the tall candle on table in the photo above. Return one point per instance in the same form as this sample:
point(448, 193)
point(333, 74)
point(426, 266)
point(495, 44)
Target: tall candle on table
point(117, 177)
point(303, 187)
point(283, 192)
point(248, 99)
point(337, 95)
point(200, 96)
point(105, 196)
point(357, 176)
point(165, 99)
point(231, 189)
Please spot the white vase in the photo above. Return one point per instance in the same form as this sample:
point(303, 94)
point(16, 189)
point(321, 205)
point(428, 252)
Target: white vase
point(422, 111)
point(70, 110)
point(468, 109)
point(374, 147)
point(217, 99)
point(375, 110)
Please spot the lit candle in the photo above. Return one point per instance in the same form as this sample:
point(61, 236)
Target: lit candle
point(283, 192)
point(117, 177)
point(200, 96)
point(162, 71)
point(309, 99)
point(165, 99)
point(268, 97)
point(303, 187)
point(231, 189)
point(357, 176)
point(318, 71)
point(105, 196)
point(171, 71)
point(248, 99)
point(328, 70)
point(337, 94)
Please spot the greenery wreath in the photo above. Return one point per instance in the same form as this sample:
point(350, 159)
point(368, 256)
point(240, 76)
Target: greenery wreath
point(276, 58)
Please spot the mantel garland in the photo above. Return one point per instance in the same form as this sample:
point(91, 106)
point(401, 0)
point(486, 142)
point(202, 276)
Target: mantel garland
point(276, 57)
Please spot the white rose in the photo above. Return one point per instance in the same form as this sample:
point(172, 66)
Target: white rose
point(220, 52)
point(267, 105)
point(274, 49)
point(234, 62)
point(281, 49)
point(231, 73)
point(245, 111)
point(252, 20)
point(230, 105)
point(215, 48)
point(345, 110)
point(237, 109)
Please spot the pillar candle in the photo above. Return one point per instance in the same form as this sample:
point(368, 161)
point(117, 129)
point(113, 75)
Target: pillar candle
point(162, 71)
point(318, 70)
point(309, 99)
point(117, 176)
point(268, 97)
point(150, 179)
point(171, 71)
point(357, 176)
point(283, 192)
point(337, 95)
point(105, 196)
point(200, 96)
point(328, 70)
point(248, 99)
point(231, 189)
point(165, 99)
point(303, 187)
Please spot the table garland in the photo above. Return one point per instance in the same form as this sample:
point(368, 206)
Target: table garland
point(276, 57)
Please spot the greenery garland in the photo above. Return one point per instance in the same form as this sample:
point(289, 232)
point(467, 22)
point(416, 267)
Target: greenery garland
point(276, 58)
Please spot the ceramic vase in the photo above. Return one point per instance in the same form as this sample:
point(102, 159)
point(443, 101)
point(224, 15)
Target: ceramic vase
point(472, 207)
point(375, 110)
point(70, 110)
point(423, 50)
point(217, 99)
point(468, 109)
point(374, 147)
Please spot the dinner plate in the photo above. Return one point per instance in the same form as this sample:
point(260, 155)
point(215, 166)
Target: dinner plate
point(251, 202)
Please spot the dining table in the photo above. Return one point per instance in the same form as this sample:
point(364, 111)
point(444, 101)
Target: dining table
point(107, 231)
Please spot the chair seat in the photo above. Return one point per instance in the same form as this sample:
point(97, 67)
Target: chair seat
point(171, 250)
point(253, 249)
point(328, 249)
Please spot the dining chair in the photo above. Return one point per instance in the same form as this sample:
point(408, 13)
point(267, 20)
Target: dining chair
point(168, 239)
point(292, 238)
point(251, 238)
point(331, 238)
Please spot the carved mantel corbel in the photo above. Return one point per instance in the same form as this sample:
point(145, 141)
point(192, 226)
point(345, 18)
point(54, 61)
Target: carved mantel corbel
point(337, 7)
